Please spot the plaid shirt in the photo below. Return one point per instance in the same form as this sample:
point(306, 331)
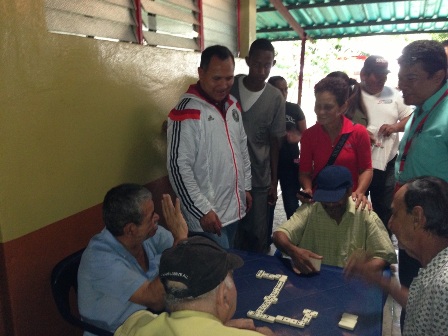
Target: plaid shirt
point(311, 228)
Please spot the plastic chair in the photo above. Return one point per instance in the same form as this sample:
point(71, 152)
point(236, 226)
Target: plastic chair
point(64, 277)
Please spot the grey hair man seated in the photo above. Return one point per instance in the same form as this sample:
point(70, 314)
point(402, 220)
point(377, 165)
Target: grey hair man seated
point(200, 295)
point(117, 275)
point(420, 223)
point(331, 229)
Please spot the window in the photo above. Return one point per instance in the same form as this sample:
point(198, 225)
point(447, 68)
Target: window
point(167, 23)
point(172, 23)
point(105, 19)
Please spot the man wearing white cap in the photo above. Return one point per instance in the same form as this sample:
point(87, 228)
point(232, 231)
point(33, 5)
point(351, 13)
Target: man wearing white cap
point(386, 117)
point(331, 229)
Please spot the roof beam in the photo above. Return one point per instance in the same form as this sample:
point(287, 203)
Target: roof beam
point(326, 37)
point(333, 3)
point(288, 17)
point(351, 24)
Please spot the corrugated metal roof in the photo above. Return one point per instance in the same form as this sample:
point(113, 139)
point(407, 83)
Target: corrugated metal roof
point(323, 19)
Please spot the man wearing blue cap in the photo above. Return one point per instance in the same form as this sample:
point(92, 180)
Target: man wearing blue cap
point(331, 229)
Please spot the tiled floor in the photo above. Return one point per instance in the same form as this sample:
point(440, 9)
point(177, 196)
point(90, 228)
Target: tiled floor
point(392, 310)
point(391, 318)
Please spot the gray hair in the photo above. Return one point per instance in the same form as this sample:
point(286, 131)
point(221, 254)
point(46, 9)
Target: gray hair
point(123, 204)
point(175, 288)
point(431, 193)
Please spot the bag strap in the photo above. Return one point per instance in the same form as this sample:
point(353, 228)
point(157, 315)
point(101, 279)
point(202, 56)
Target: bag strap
point(336, 150)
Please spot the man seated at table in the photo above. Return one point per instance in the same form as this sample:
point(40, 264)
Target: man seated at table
point(200, 295)
point(331, 229)
point(118, 271)
point(420, 223)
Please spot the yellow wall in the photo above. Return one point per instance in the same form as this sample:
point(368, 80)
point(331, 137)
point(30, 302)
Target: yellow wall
point(78, 115)
point(248, 20)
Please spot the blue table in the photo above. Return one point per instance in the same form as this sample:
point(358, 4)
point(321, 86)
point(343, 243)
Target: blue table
point(327, 292)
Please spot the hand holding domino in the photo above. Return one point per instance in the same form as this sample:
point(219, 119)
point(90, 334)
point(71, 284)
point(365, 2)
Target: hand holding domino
point(305, 261)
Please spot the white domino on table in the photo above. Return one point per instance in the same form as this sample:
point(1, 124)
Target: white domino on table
point(268, 276)
point(347, 324)
point(283, 278)
point(297, 323)
point(314, 314)
point(272, 298)
point(349, 316)
point(307, 319)
point(310, 312)
point(267, 318)
point(282, 319)
point(250, 313)
point(348, 321)
point(264, 306)
point(279, 285)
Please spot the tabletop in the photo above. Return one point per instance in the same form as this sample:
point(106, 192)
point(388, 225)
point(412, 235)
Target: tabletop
point(326, 292)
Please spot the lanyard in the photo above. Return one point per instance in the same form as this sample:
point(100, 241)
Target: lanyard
point(417, 131)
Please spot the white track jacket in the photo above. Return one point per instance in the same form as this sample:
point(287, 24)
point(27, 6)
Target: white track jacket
point(208, 161)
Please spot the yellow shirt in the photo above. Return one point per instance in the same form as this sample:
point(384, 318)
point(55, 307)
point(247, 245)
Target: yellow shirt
point(311, 228)
point(180, 323)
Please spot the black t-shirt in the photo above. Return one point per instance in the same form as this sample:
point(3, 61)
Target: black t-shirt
point(289, 153)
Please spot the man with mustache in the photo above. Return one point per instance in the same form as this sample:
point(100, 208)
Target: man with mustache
point(420, 222)
point(386, 116)
point(118, 273)
point(423, 150)
point(208, 161)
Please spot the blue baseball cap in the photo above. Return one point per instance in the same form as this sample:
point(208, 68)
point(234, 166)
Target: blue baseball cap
point(332, 183)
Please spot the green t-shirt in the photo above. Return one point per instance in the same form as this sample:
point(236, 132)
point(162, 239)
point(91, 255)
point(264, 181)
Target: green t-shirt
point(311, 228)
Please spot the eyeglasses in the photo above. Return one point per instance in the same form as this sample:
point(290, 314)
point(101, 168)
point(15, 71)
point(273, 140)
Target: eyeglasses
point(411, 59)
point(416, 58)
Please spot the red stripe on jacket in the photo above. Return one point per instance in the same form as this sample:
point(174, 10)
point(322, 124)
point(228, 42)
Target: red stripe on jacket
point(180, 115)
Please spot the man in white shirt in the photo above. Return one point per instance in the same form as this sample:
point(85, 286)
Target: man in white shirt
point(387, 115)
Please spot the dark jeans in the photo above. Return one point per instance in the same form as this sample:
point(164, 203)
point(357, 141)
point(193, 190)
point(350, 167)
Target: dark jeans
point(289, 183)
point(252, 231)
point(381, 191)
